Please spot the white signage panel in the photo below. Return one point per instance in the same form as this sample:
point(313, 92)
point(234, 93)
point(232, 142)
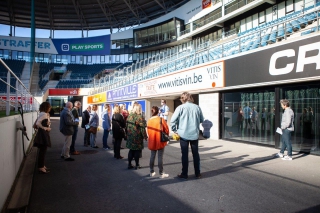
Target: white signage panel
point(206, 76)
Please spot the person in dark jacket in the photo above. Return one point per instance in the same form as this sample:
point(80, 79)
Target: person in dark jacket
point(75, 113)
point(117, 125)
point(67, 122)
point(85, 121)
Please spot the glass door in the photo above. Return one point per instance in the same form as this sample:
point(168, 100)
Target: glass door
point(305, 103)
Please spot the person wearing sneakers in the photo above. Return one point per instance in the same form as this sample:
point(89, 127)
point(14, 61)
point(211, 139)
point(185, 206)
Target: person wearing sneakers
point(185, 121)
point(67, 122)
point(154, 143)
point(287, 127)
point(75, 113)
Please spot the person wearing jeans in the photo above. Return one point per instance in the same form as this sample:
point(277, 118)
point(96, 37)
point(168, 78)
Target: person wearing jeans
point(287, 127)
point(185, 122)
point(106, 125)
point(154, 143)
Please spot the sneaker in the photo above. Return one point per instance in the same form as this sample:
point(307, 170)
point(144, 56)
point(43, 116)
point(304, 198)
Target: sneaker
point(287, 158)
point(106, 148)
point(152, 174)
point(164, 175)
point(279, 155)
point(69, 159)
point(198, 176)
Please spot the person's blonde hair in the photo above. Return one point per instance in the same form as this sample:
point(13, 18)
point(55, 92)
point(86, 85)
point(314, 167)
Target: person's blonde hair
point(137, 109)
point(186, 97)
point(116, 109)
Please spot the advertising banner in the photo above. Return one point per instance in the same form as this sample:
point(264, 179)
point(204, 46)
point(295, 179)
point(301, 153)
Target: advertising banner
point(99, 45)
point(205, 76)
point(97, 98)
point(294, 60)
point(13, 98)
point(42, 45)
point(206, 4)
point(68, 92)
point(129, 104)
point(123, 93)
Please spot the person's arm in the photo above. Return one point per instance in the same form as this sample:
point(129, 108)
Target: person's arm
point(286, 121)
point(175, 119)
point(201, 116)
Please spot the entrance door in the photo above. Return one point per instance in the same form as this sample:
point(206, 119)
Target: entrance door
point(305, 103)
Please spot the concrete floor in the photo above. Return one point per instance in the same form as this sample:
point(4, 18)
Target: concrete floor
point(236, 177)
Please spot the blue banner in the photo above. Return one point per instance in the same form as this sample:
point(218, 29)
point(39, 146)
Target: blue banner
point(99, 45)
point(128, 105)
point(123, 93)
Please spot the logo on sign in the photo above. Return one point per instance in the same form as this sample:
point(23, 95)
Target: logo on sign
point(206, 3)
point(73, 92)
point(65, 47)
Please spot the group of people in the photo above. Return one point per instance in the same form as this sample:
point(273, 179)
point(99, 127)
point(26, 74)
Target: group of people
point(131, 126)
point(250, 117)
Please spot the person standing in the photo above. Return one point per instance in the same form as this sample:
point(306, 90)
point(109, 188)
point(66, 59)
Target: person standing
point(94, 122)
point(42, 139)
point(75, 113)
point(67, 122)
point(85, 121)
point(136, 133)
point(254, 118)
point(154, 143)
point(263, 119)
point(240, 119)
point(185, 122)
point(124, 112)
point(287, 127)
point(164, 110)
point(117, 132)
point(247, 111)
point(106, 125)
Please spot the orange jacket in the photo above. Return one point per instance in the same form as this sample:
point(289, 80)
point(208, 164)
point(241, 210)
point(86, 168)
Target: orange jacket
point(153, 129)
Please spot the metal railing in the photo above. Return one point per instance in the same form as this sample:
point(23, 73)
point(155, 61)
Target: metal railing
point(21, 94)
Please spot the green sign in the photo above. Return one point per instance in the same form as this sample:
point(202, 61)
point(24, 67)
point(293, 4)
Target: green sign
point(86, 47)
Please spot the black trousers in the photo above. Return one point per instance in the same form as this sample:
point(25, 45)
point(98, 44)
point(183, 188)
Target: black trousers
point(86, 139)
point(41, 155)
point(134, 154)
point(116, 147)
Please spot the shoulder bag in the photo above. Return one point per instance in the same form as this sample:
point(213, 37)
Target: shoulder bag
point(123, 131)
point(163, 136)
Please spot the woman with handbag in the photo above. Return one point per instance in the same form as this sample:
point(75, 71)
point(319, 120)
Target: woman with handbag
point(42, 139)
point(93, 123)
point(136, 132)
point(155, 126)
point(118, 131)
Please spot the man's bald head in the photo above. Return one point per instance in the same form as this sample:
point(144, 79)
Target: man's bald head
point(69, 105)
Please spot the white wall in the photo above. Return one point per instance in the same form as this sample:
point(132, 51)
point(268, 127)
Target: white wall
point(209, 104)
point(11, 151)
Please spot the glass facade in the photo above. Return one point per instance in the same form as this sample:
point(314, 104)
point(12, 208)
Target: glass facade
point(157, 34)
point(253, 116)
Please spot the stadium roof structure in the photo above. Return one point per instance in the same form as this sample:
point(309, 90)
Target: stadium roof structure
point(84, 14)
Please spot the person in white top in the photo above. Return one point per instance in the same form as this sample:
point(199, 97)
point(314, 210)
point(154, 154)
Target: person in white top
point(164, 110)
point(42, 139)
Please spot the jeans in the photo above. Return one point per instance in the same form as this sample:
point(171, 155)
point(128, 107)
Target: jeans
point(74, 138)
point(160, 160)
point(66, 147)
point(286, 142)
point(184, 144)
point(105, 138)
point(93, 139)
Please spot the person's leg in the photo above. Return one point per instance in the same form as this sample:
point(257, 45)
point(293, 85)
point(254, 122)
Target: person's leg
point(105, 138)
point(184, 145)
point(137, 157)
point(130, 157)
point(67, 144)
point(88, 137)
point(284, 139)
point(196, 157)
point(92, 140)
point(152, 157)
point(85, 137)
point(160, 160)
point(288, 143)
point(41, 155)
point(117, 145)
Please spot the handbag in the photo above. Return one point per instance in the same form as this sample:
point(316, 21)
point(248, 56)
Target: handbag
point(93, 129)
point(124, 133)
point(163, 136)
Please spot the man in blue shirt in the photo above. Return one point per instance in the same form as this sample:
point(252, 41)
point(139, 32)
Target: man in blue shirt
point(164, 110)
point(247, 112)
point(185, 122)
point(106, 125)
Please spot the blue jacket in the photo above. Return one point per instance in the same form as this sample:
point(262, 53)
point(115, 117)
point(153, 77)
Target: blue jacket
point(186, 120)
point(94, 119)
point(105, 120)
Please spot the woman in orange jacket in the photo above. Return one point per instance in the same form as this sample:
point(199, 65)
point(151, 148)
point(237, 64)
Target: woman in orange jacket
point(154, 143)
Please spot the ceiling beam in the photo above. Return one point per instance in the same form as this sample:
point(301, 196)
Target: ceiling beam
point(50, 14)
point(10, 12)
point(80, 14)
point(161, 5)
